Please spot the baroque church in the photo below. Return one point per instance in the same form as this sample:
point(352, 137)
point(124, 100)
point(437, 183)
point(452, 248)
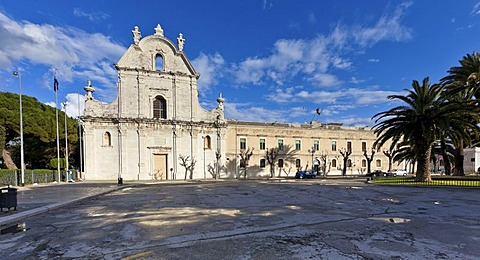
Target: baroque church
point(156, 129)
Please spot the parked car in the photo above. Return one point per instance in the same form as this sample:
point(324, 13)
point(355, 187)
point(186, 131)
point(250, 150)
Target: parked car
point(399, 172)
point(305, 175)
point(378, 173)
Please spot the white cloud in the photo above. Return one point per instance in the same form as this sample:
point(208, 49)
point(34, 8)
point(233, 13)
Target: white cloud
point(75, 104)
point(75, 54)
point(351, 97)
point(352, 121)
point(247, 112)
point(92, 16)
point(52, 104)
point(318, 58)
point(374, 60)
point(354, 80)
point(388, 27)
point(476, 9)
point(267, 4)
point(326, 80)
point(210, 69)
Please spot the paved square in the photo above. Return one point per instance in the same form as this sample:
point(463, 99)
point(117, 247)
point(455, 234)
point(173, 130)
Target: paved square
point(321, 219)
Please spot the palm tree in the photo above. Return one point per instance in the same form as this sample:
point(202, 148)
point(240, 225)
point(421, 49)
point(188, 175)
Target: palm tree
point(466, 76)
point(465, 81)
point(422, 119)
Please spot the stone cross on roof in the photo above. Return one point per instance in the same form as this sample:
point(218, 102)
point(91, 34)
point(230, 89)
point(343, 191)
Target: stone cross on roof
point(136, 35)
point(180, 41)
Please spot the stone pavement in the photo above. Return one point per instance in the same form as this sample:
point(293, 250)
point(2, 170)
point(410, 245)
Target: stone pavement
point(36, 199)
point(294, 219)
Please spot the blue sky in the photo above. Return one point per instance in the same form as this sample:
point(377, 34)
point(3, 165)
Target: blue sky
point(272, 60)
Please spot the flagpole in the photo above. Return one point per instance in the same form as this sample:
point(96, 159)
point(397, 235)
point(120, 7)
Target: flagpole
point(55, 88)
point(80, 136)
point(66, 142)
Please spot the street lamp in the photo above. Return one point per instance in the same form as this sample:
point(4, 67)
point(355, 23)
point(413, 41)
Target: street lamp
point(204, 147)
point(312, 151)
point(17, 74)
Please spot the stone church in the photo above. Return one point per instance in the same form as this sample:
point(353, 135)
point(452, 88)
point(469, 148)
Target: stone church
point(156, 128)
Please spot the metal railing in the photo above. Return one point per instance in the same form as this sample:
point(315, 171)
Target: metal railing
point(12, 177)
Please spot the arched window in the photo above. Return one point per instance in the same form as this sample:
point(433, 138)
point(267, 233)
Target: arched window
point(160, 108)
point(280, 163)
point(107, 139)
point(349, 163)
point(159, 62)
point(298, 163)
point(207, 142)
point(379, 163)
point(364, 163)
point(334, 163)
point(262, 163)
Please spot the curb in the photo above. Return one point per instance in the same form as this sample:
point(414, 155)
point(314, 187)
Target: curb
point(36, 211)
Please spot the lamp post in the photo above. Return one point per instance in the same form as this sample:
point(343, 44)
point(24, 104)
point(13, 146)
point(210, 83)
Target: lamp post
point(17, 74)
point(66, 142)
point(204, 147)
point(312, 151)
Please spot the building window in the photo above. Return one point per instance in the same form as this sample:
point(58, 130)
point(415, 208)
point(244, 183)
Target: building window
point(280, 163)
point(160, 108)
point(334, 145)
point(364, 163)
point(298, 163)
point(298, 145)
point(349, 163)
point(316, 145)
point(107, 139)
point(280, 144)
point(364, 147)
point(334, 163)
point(378, 163)
point(262, 144)
point(243, 143)
point(207, 142)
point(159, 62)
point(262, 163)
point(349, 146)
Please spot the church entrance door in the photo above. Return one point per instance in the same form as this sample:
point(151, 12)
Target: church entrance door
point(160, 166)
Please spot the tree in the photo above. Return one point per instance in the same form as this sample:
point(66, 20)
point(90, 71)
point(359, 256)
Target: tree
point(390, 153)
point(188, 164)
point(464, 79)
point(447, 150)
point(271, 155)
point(369, 159)
point(345, 154)
point(244, 159)
point(323, 158)
point(419, 122)
point(39, 131)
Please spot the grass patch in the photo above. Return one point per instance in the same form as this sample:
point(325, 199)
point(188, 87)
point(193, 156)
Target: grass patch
point(452, 181)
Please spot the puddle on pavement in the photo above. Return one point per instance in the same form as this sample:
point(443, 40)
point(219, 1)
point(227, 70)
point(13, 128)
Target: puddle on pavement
point(20, 227)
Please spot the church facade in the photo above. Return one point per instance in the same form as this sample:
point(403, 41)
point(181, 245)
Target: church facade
point(156, 129)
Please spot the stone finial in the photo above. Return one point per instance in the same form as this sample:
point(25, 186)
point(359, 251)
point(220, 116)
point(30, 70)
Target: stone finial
point(220, 101)
point(180, 41)
point(158, 30)
point(219, 110)
point(90, 89)
point(136, 35)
